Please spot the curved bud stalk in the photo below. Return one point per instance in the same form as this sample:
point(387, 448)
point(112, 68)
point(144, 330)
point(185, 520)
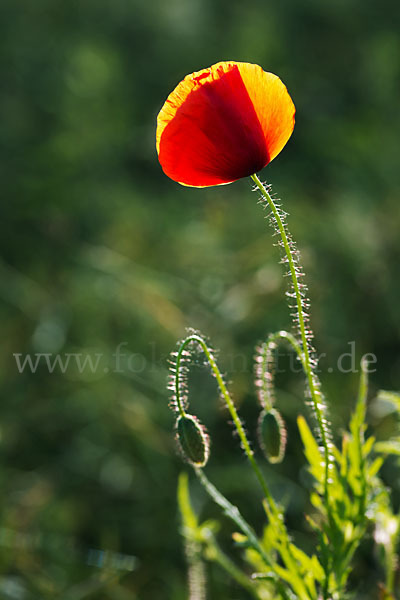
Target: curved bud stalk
point(271, 426)
point(265, 366)
point(193, 440)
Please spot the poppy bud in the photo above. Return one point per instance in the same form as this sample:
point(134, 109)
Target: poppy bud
point(272, 435)
point(193, 440)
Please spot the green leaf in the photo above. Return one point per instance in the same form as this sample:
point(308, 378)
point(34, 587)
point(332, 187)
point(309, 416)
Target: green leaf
point(390, 447)
point(392, 397)
point(311, 451)
point(374, 467)
point(308, 564)
point(357, 421)
point(368, 445)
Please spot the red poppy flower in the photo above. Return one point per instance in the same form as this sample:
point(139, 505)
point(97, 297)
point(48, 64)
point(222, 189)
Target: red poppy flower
point(223, 123)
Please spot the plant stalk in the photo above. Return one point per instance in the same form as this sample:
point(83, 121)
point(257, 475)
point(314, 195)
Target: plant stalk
point(310, 374)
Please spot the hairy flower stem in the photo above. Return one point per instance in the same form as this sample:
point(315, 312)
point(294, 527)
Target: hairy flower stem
point(313, 383)
point(229, 403)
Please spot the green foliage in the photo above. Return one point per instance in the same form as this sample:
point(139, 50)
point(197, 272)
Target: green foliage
point(342, 514)
point(349, 497)
point(391, 446)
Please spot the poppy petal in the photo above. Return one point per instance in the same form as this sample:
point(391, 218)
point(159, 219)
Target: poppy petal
point(223, 123)
point(273, 105)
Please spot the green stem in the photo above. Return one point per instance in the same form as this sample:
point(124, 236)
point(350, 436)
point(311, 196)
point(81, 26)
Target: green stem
point(233, 513)
point(310, 374)
point(229, 403)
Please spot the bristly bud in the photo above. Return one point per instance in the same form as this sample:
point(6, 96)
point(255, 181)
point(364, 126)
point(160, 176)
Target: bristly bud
point(193, 440)
point(272, 435)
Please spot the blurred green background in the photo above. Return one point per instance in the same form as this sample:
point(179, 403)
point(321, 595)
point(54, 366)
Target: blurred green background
point(99, 250)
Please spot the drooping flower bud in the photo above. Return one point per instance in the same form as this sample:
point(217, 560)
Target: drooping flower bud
point(193, 440)
point(272, 435)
